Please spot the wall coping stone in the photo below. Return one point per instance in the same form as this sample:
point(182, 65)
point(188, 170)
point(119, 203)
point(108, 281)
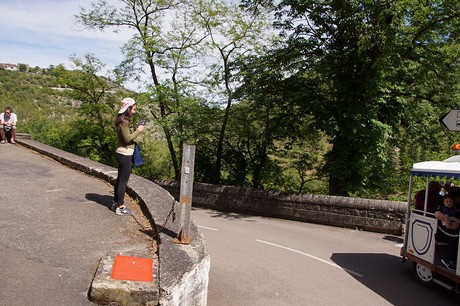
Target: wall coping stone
point(183, 269)
point(368, 214)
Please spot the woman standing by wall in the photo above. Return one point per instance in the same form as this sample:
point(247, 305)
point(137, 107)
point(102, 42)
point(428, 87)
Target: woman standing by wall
point(124, 153)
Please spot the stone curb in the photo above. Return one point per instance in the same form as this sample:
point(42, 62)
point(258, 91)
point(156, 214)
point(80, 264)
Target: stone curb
point(183, 270)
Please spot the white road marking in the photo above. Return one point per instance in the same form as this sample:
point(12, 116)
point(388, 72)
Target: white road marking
point(311, 256)
point(399, 245)
point(208, 228)
point(55, 190)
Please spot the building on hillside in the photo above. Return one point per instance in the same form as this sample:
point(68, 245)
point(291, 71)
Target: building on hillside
point(11, 67)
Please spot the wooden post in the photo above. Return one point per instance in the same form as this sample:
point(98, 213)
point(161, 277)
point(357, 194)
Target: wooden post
point(186, 189)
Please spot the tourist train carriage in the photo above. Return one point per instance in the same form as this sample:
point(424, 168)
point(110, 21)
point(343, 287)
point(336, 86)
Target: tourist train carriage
point(420, 245)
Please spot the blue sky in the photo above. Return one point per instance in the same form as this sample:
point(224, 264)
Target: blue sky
point(43, 33)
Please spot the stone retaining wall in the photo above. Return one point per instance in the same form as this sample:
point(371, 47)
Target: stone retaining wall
point(371, 215)
point(183, 269)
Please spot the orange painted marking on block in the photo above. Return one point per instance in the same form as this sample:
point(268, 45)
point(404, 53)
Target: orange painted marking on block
point(132, 268)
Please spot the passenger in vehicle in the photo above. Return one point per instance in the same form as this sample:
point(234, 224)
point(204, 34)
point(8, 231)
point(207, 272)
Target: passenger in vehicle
point(448, 226)
point(454, 191)
point(434, 198)
point(448, 211)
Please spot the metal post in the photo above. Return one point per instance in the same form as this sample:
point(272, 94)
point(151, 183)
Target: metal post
point(186, 189)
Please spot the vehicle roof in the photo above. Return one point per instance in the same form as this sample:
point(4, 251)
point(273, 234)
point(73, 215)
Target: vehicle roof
point(449, 168)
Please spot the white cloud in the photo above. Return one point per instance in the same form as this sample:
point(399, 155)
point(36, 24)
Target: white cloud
point(43, 32)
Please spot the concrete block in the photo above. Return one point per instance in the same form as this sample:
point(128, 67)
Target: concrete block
point(107, 291)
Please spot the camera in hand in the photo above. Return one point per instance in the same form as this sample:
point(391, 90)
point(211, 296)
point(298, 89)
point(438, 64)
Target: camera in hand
point(142, 122)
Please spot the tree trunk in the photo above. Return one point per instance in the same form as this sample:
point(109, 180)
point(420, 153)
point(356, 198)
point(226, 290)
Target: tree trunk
point(167, 133)
point(220, 145)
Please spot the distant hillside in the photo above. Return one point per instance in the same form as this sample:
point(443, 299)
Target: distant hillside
point(37, 96)
point(32, 97)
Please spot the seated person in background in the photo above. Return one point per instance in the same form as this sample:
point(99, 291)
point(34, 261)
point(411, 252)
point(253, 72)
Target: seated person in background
point(446, 214)
point(8, 124)
point(434, 198)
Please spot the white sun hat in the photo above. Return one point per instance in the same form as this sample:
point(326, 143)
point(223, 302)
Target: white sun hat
point(125, 103)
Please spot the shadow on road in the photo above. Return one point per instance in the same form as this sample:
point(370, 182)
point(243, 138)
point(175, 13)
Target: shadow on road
point(395, 239)
point(102, 199)
point(229, 215)
point(388, 277)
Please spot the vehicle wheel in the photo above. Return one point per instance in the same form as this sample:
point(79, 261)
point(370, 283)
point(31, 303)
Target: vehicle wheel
point(423, 274)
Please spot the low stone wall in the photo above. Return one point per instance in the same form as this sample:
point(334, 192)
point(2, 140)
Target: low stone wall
point(183, 269)
point(371, 215)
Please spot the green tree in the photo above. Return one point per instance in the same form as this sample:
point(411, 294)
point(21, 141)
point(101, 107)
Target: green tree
point(98, 101)
point(279, 136)
point(23, 67)
point(181, 47)
point(175, 40)
point(360, 67)
point(148, 46)
point(232, 32)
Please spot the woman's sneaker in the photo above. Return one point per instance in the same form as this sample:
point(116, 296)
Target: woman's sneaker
point(123, 211)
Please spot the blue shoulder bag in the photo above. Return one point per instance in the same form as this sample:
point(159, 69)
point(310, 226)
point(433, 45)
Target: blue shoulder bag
point(137, 157)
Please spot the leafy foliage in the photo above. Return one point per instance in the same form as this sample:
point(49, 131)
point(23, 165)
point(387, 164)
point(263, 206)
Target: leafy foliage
point(65, 109)
point(342, 101)
point(364, 71)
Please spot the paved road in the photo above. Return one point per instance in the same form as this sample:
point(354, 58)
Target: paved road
point(260, 261)
point(55, 225)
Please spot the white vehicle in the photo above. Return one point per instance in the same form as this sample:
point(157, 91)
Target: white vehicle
point(420, 245)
